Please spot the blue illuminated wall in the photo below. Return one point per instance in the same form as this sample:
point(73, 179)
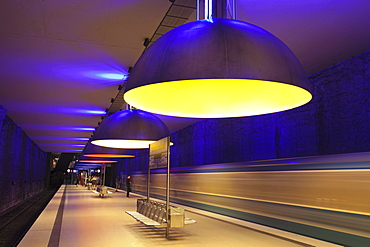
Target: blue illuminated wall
point(336, 121)
point(128, 166)
point(342, 106)
point(24, 167)
point(290, 133)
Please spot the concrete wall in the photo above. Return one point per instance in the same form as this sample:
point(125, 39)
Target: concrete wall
point(336, 121)
point(24, 167)
point(342, 109)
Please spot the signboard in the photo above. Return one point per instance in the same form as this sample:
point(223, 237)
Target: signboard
point(158, 153)
point(159, 158)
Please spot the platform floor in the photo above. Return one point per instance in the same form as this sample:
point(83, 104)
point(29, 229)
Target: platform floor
point(78, 217)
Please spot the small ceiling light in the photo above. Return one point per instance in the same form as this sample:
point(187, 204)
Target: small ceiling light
point(130, 129)
point(216, 68)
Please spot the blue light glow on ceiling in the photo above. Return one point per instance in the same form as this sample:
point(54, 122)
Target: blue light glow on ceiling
point(84, 108)
point(65, 150)
point(96, 111)
point(61, 138)
point(67, 128)
point(63, 145)
point(90, 72)
point(93, 112)
point(77, 128)
point(111, 76)
point(105, 75)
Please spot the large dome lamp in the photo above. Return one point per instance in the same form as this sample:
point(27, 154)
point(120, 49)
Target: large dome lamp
point(216, 68)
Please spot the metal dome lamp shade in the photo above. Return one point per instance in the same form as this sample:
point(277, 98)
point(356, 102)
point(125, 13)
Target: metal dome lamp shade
point(93, 151)
point(216, 68)
point(130, 129)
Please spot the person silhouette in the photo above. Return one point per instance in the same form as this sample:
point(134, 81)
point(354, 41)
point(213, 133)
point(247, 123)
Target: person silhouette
point(128, 185)
point(118, 182)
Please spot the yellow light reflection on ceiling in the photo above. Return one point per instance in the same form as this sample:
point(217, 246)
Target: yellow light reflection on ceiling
point(109, 155)
point(217, 98)
point(98, 161)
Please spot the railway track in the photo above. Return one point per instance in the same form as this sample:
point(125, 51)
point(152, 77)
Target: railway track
point(15, 222)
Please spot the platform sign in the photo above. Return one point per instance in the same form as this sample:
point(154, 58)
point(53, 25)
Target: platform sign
point(159, 157)
point(158, 153)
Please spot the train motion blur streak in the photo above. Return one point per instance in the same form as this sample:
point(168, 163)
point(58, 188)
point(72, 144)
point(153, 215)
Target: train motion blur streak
point(325, 197)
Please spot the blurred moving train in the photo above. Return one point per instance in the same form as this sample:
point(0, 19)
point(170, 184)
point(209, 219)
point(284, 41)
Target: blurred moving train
point(325, 197)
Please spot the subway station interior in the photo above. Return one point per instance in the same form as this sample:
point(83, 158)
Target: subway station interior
point(185, 123)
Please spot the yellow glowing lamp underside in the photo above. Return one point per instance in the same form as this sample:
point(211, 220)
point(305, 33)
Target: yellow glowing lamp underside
point(109, 155)
point(217, 98)
point(113, 143)
point(98, 161)
point(129, 144)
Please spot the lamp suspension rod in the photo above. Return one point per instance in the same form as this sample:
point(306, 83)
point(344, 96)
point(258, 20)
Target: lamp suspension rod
point(217, 9)
point(208, 9)
point(234, 10)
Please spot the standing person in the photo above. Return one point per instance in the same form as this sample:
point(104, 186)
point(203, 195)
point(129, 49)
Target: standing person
point(128, 185)
point(89, 182)
point(77, 179)
point(118, 182)
point(94, 181)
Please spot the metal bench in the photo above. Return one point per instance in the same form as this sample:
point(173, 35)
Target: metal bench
point(149, 213)
point(153, 213)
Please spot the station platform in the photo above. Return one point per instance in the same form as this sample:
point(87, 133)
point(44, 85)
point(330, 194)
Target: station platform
point(78, 217)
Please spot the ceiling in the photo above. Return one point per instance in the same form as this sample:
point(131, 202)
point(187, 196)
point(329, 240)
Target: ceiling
point(62, 61)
